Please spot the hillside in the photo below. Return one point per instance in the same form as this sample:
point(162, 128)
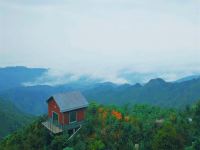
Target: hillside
point(32, 99)
point(156, 92)
point(11, 118)
point(116, 128)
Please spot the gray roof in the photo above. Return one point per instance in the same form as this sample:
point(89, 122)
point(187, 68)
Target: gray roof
point(70, 100)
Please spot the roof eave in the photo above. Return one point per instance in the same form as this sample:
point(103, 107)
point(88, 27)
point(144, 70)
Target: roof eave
point(74, 108)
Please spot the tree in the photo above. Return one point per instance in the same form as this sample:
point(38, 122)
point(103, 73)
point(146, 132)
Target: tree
point(96, 145)
point(196, 118)
point(196, 144)
point(167, 138)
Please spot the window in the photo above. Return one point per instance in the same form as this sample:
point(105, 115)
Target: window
point(72, 116)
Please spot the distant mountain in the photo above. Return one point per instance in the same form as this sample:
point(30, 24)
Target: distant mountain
point(157, 92)
point(11, 118)
point(32, 99)
point(19, 76)
point(188, 78)
point(15, 76)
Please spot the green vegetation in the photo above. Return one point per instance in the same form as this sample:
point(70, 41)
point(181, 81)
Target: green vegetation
point(116, 128)
point(11, 118)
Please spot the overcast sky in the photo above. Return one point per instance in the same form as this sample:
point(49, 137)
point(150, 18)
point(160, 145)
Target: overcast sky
point(102, 38)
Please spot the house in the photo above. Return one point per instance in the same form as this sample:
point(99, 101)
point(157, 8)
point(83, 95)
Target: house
point(66, 112)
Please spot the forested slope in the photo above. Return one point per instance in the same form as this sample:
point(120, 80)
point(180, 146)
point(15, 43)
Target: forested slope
point(116, 128)
point(11, 118)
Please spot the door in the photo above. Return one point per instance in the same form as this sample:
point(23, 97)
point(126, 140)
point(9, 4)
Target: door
point(55, 117)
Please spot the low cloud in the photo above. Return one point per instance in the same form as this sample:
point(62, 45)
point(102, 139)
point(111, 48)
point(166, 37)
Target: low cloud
point(100, 38)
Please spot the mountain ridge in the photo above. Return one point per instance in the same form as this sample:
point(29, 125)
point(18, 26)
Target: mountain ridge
point(32, 99)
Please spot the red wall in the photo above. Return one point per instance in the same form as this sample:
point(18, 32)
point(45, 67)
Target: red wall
point(53, 107)
point(81, 114)
point(64, 117)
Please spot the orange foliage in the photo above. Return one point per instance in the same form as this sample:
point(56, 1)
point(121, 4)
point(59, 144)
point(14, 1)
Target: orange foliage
point(117, 114)
point(102, 112)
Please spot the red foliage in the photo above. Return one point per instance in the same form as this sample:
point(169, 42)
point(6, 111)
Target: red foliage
point(117, 114)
